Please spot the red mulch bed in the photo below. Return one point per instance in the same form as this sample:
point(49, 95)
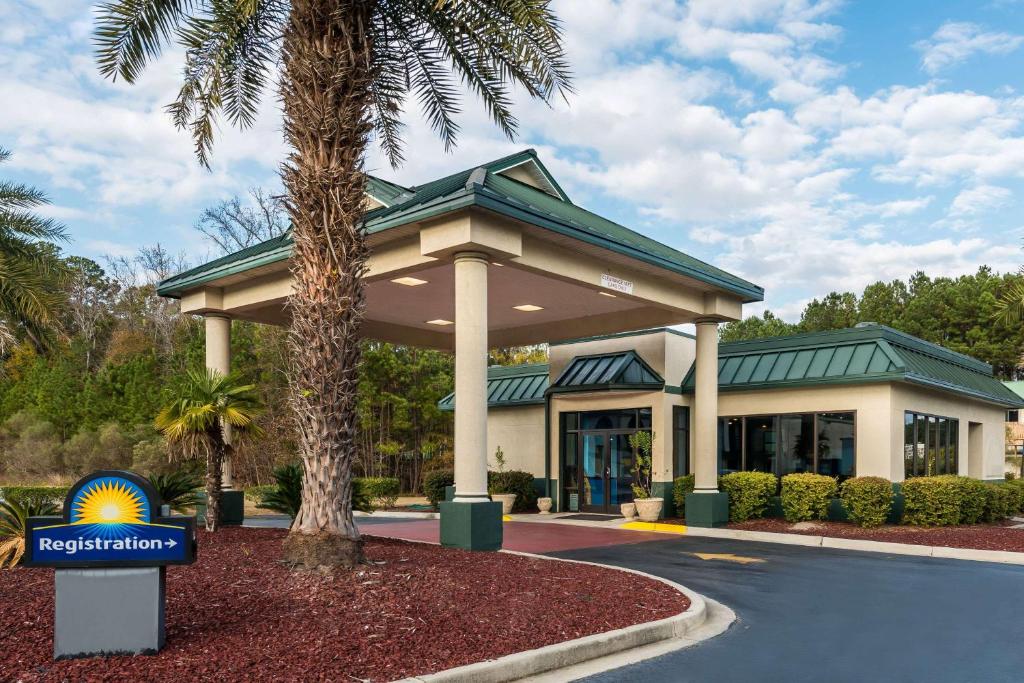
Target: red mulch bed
point(977, 536)
point(238, 614)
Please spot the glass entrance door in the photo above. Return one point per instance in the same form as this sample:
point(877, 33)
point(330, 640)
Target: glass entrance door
point(606, 472)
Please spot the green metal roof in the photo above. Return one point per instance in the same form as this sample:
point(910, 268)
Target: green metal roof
point(385, 191)
point(869, 353)
point(510, 385)
point(622, 370)
point(483, 187)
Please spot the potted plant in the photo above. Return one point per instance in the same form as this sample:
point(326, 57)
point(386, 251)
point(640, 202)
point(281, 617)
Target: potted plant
point(648, 508)
point(628, 511)
point(507, 500)
point(544, 505)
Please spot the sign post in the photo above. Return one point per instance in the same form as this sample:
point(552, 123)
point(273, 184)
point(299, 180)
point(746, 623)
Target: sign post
point(110, 550)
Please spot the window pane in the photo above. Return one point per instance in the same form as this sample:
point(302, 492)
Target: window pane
point(1012, 416)
point(933, 446)
point(609, 419)
point(572, 420)
point(940, 458)
point(909, 445)
point(645, 418)
point(953, 449)
point(761, 442)
point(922, 446)
point(796, 453)
point(681, 445)
point(836, 455)
point(730, 444)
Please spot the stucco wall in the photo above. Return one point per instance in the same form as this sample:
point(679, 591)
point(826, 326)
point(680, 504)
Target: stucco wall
point(984, 458)
point(650, 347)
point(519, 431)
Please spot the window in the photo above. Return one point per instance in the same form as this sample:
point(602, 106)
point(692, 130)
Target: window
point(681, 441)
point(784, 444)
point(930, 445)
point(1013, 416)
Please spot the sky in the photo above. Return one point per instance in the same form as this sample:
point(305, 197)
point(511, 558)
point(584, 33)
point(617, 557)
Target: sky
point(805, 146)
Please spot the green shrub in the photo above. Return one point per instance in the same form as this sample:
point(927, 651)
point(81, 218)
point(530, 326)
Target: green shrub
point(178, 489)
point(517, 482)
point(256, 494)
point(932, 501)
point(807, 496)
point(749, 493)
point(680, 487)
point(434, 484)
point(973, 500)
point(362, 500)
point(286, 495)
point(53, 494)
point(1016, 489)
point(382, 490)
point(997, 502)
point(867, 500)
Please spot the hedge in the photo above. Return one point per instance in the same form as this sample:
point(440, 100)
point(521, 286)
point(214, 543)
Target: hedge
point(973, 500)
point(680, 487)
point(933, 501)
point(256, 494)
point(1016, 489)
point(517, 482)
point(749, 493)
point(997, 503)
point(867, 500)
point(807, 496)
point(53, 494)
point(382, 490)
point(434, 484)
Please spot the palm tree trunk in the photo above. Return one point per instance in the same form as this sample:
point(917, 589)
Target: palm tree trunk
point(214, 458)
point(325, 90)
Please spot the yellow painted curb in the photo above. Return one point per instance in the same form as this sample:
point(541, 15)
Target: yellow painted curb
point(655, 526)
point(506, 518)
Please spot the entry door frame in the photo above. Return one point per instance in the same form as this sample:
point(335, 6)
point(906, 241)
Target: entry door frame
point(606, 435)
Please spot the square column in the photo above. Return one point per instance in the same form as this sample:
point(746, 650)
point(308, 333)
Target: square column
point(218, 358)
point(706, 506)
point(471, 521)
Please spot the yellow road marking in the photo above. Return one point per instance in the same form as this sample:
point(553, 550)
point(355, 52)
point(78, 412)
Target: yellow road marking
point(506, 518)
point(728, 557)
point(655, 526)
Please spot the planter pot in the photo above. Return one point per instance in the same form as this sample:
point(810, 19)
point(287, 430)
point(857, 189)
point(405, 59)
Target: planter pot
point(544, 505)
point(649, 509)
point(507, 500)
point(628, 511)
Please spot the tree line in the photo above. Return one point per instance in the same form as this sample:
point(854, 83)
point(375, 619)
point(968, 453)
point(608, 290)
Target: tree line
point(967, 314)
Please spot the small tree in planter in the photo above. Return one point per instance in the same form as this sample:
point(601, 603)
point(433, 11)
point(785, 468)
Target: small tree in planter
point(648, 508)
point(498, 490)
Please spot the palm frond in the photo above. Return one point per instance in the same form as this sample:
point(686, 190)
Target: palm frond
point(1010, 304)
point(130, 33)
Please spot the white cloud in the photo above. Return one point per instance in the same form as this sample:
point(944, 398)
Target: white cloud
point(974, 200)
point(955, 42)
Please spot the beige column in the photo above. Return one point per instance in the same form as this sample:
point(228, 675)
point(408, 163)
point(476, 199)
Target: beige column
point(470, 377)
point(705, 408)
point(218, 357)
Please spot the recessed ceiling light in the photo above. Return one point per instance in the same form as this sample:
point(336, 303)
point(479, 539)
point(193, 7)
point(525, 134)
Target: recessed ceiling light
point(409, 281)
point(440, 321)
point(500, 265)
point(529, 308)
point(608, 294)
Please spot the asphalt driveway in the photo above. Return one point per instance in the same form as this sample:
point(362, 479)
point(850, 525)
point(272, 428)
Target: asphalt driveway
point(807, 614)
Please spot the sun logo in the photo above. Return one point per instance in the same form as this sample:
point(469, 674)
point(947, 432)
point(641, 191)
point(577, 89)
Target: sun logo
point(108, 502)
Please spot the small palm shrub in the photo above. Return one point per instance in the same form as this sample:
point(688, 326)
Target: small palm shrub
point(14, 514)
point(286, 495)
point(178, 489)
point(867, 500)
point(807, 496)
point(681, 486)
point(434, 484)
point(749, 493)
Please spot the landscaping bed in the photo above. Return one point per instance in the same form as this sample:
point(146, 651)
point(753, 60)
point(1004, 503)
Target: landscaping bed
point(977, 536)
point(239, 614)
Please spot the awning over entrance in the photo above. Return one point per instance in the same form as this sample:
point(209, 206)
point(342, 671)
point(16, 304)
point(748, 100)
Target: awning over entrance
point(492, 256)
point(623, 370)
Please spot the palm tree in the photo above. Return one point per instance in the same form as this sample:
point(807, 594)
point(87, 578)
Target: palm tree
point(195, 423)
point(348, 68)
point(29, 268)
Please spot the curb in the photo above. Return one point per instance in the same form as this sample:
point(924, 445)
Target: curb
point(397, 514)
point(938, 551)
point(550, 658)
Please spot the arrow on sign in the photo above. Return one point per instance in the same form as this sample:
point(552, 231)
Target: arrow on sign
point(728, 557)
point(171, 543)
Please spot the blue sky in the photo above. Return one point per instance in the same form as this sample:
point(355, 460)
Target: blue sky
point(807, 146)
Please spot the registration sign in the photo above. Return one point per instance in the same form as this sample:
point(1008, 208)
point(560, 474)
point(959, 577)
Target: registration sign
point(111, 519)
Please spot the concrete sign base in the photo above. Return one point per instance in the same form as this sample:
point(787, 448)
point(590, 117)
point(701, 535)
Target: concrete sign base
point(109, 611)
